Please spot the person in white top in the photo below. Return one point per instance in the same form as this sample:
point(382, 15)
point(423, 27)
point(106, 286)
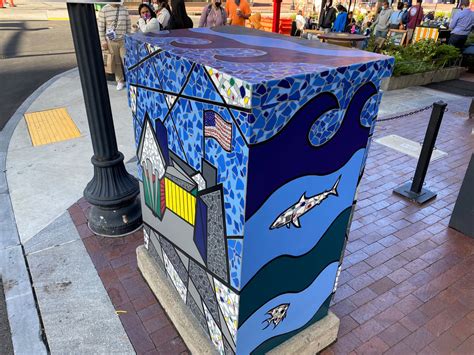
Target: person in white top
point(300, 22)
point(147, 21)
point(163, 12)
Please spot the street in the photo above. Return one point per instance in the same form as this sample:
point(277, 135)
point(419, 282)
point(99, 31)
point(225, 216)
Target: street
point(31, 52)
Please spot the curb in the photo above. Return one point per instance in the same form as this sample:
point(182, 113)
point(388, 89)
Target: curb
point(23, 313)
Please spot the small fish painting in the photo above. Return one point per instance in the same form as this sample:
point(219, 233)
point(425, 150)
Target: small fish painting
point(276, 315)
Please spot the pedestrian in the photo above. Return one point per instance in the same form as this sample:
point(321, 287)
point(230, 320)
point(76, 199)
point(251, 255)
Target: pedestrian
point(179, 17)
point(350, 16)
point(147, 21)
point(382, 21)
point(461, 25)
point(396, 17)
point(163, 13)
point(415, 15)
point(353, 27)
point(114, 23)
point(238, 11)
point(327, 17)
point(405, 15)
point(4, 2)
point(341, 19)
point(213, 15)
point(300, 23)
point(367, 30)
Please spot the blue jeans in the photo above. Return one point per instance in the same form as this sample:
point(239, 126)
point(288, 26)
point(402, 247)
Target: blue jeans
point(381, 34)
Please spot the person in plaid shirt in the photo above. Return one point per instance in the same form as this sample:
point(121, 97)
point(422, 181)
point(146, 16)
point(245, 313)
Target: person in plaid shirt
point(114, 22)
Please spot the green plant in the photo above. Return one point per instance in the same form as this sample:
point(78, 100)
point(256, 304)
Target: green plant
point(446, 55)
point(360, 17)
point(440, 14)
point(421, 56)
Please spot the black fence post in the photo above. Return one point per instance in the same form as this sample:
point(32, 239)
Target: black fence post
point(113, 192)
point(471, 109)
point(414, 191)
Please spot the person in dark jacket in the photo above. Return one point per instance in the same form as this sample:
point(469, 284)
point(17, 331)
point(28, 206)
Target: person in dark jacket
point(179, 17)
point(328, 15)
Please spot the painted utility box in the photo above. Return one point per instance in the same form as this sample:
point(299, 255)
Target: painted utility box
point(251, 146)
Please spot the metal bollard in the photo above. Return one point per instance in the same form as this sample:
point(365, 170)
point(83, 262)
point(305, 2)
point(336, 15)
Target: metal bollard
point(471, 110)
point(414, 190)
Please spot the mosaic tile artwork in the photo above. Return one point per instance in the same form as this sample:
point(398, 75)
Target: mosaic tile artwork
point(155, 252)
point(151, 159)
point(191, 302)
point(339, 269)
point(324, 129)
point(153, 170)
point(216, 235)
point(214, 331)
point(146, 238)
point(206, 290)
point(235, 92)
point(178, 283)
point(234, 247)
point(229, 304)
point(175, 260)
point(251, 149)
point(199, 181)
point(133, 98)
point(227, 348)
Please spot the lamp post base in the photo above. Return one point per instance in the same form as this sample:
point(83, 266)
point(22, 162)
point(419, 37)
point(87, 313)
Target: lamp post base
point(115, 221)
point(423, 197)
point(113, 194)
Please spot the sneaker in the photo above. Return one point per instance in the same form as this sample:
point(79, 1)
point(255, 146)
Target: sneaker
point(120, 85)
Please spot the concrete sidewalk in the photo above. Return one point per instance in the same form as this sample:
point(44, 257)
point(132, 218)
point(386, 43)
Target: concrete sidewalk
point(75, 304)
point(35, 11)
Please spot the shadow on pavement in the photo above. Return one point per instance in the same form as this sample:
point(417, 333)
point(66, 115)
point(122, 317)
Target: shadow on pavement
point(31, 52)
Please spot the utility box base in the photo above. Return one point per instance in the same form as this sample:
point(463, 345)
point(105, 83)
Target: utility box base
point(310, 341)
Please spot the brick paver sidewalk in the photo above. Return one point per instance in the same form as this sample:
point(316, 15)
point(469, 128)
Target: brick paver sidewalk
point(149, 329)
point(408, 280)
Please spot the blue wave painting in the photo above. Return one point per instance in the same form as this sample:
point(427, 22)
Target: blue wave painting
point(303, 306)
point(263, 244)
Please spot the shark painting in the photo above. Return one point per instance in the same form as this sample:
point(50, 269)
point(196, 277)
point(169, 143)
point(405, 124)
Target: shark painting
point(292, 214)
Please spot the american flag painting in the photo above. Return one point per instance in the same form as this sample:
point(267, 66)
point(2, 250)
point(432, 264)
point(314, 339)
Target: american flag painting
point(216, 127)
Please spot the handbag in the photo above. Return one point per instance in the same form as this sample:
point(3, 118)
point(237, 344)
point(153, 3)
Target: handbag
point(108, 61)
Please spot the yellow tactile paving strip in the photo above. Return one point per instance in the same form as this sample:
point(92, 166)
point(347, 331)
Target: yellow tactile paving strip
point(51, 126)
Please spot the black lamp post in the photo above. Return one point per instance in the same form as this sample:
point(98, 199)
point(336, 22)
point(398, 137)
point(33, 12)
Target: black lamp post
point(113, 192)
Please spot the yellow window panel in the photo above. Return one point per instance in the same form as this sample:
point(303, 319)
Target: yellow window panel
point(180, 202)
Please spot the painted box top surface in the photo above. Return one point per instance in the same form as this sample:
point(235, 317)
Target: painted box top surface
point(257, 56)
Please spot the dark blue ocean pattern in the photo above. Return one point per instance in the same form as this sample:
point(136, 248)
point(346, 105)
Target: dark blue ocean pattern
point(285, 156)
point(302, 306)
point(263, 244)
point(303, 282)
